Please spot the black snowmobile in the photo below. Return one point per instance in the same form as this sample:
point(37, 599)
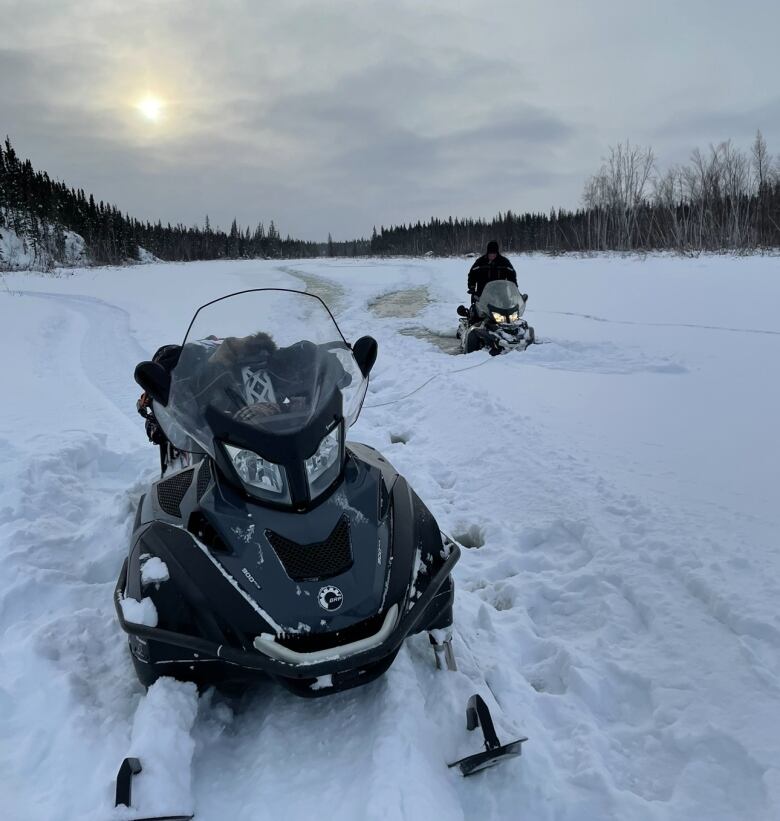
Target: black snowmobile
point(281, 549)
point(495, 320)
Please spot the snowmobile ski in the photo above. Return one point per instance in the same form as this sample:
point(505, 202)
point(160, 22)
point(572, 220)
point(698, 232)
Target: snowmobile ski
point(441, 641)
point(478, 715)
point(124, 791)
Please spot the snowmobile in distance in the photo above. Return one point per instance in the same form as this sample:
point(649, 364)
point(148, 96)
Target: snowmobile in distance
point(281, 550)
point(495, 320)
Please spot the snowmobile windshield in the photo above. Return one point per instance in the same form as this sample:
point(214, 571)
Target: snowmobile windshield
point(501, 297)
point(266, 363)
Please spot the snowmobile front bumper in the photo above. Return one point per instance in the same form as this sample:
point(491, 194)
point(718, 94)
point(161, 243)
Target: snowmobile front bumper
point(377, 657)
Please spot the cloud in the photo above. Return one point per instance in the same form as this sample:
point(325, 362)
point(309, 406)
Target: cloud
point(366, 137)
point(329, 118)
point(717, 125)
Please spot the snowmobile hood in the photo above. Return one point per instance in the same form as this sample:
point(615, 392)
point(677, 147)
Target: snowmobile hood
point(324, 570)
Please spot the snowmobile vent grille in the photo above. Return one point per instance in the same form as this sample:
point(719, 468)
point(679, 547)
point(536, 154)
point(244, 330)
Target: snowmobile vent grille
point(204, 478)
point(311, 642)
point(320, 560)
point(171, 492)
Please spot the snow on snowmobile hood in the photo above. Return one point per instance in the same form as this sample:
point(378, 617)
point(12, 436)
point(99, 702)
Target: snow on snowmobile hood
point(261, 368)
point(502, 296)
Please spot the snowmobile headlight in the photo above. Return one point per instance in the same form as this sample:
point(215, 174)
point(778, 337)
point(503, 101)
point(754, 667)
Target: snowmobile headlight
point(500, 318)
point(514, 316)
point(259, 476)
point(323, 467)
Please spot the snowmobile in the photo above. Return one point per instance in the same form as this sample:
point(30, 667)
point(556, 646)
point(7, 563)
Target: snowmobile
point(277, 548)
point(494, 321)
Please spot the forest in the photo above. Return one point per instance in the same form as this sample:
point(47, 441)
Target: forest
point(723, 199)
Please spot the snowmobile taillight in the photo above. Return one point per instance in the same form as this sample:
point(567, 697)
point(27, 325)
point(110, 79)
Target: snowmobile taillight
point(260, 477)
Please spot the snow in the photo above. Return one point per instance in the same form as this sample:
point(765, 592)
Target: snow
point(19, 254)
point(245, 534)
point(146, 257)
point(161, 739)
point(614, 490)
point(140, 612)
point(154, 571)
point(75, 249)
point(14, 253)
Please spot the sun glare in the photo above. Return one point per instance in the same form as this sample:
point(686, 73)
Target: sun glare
point(151, 108)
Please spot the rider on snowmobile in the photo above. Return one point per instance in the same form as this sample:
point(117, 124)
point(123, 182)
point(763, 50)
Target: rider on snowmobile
point(493, 320)
point(491, 265)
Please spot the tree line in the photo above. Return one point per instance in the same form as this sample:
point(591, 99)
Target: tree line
point(724, 199)
point(41, 210)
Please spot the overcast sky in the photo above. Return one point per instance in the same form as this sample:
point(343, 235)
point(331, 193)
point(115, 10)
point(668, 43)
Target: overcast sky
point(335, 116)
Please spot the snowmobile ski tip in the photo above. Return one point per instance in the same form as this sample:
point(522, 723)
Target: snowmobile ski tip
point(124, 781)
point(478, 715)
point(124, 790)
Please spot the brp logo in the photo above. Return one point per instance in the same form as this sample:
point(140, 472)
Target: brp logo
point(330, 598)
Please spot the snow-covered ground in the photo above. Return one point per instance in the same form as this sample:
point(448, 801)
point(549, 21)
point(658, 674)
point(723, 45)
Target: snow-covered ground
point(617, 490)
point(18, 254)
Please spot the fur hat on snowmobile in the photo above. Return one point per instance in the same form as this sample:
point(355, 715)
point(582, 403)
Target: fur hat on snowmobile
point(243, 349)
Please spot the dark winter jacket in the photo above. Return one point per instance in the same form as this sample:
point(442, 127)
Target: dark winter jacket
point(484, 271)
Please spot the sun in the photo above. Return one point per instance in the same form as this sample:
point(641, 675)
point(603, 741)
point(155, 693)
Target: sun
point(151, 108)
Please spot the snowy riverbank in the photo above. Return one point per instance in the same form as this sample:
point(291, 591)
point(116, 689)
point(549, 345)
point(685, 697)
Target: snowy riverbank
point(617, 488)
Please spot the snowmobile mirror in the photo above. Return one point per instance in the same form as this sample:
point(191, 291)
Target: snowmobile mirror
point(365, 351)
point(154, 379)
point(463, 310)
point(525, 297)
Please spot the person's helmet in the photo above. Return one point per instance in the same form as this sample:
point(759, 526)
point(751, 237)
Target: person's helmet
point(492, 247)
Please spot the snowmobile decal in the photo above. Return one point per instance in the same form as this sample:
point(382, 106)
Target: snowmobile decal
point(257, 386)
point(330, 598)
point(251, 578)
